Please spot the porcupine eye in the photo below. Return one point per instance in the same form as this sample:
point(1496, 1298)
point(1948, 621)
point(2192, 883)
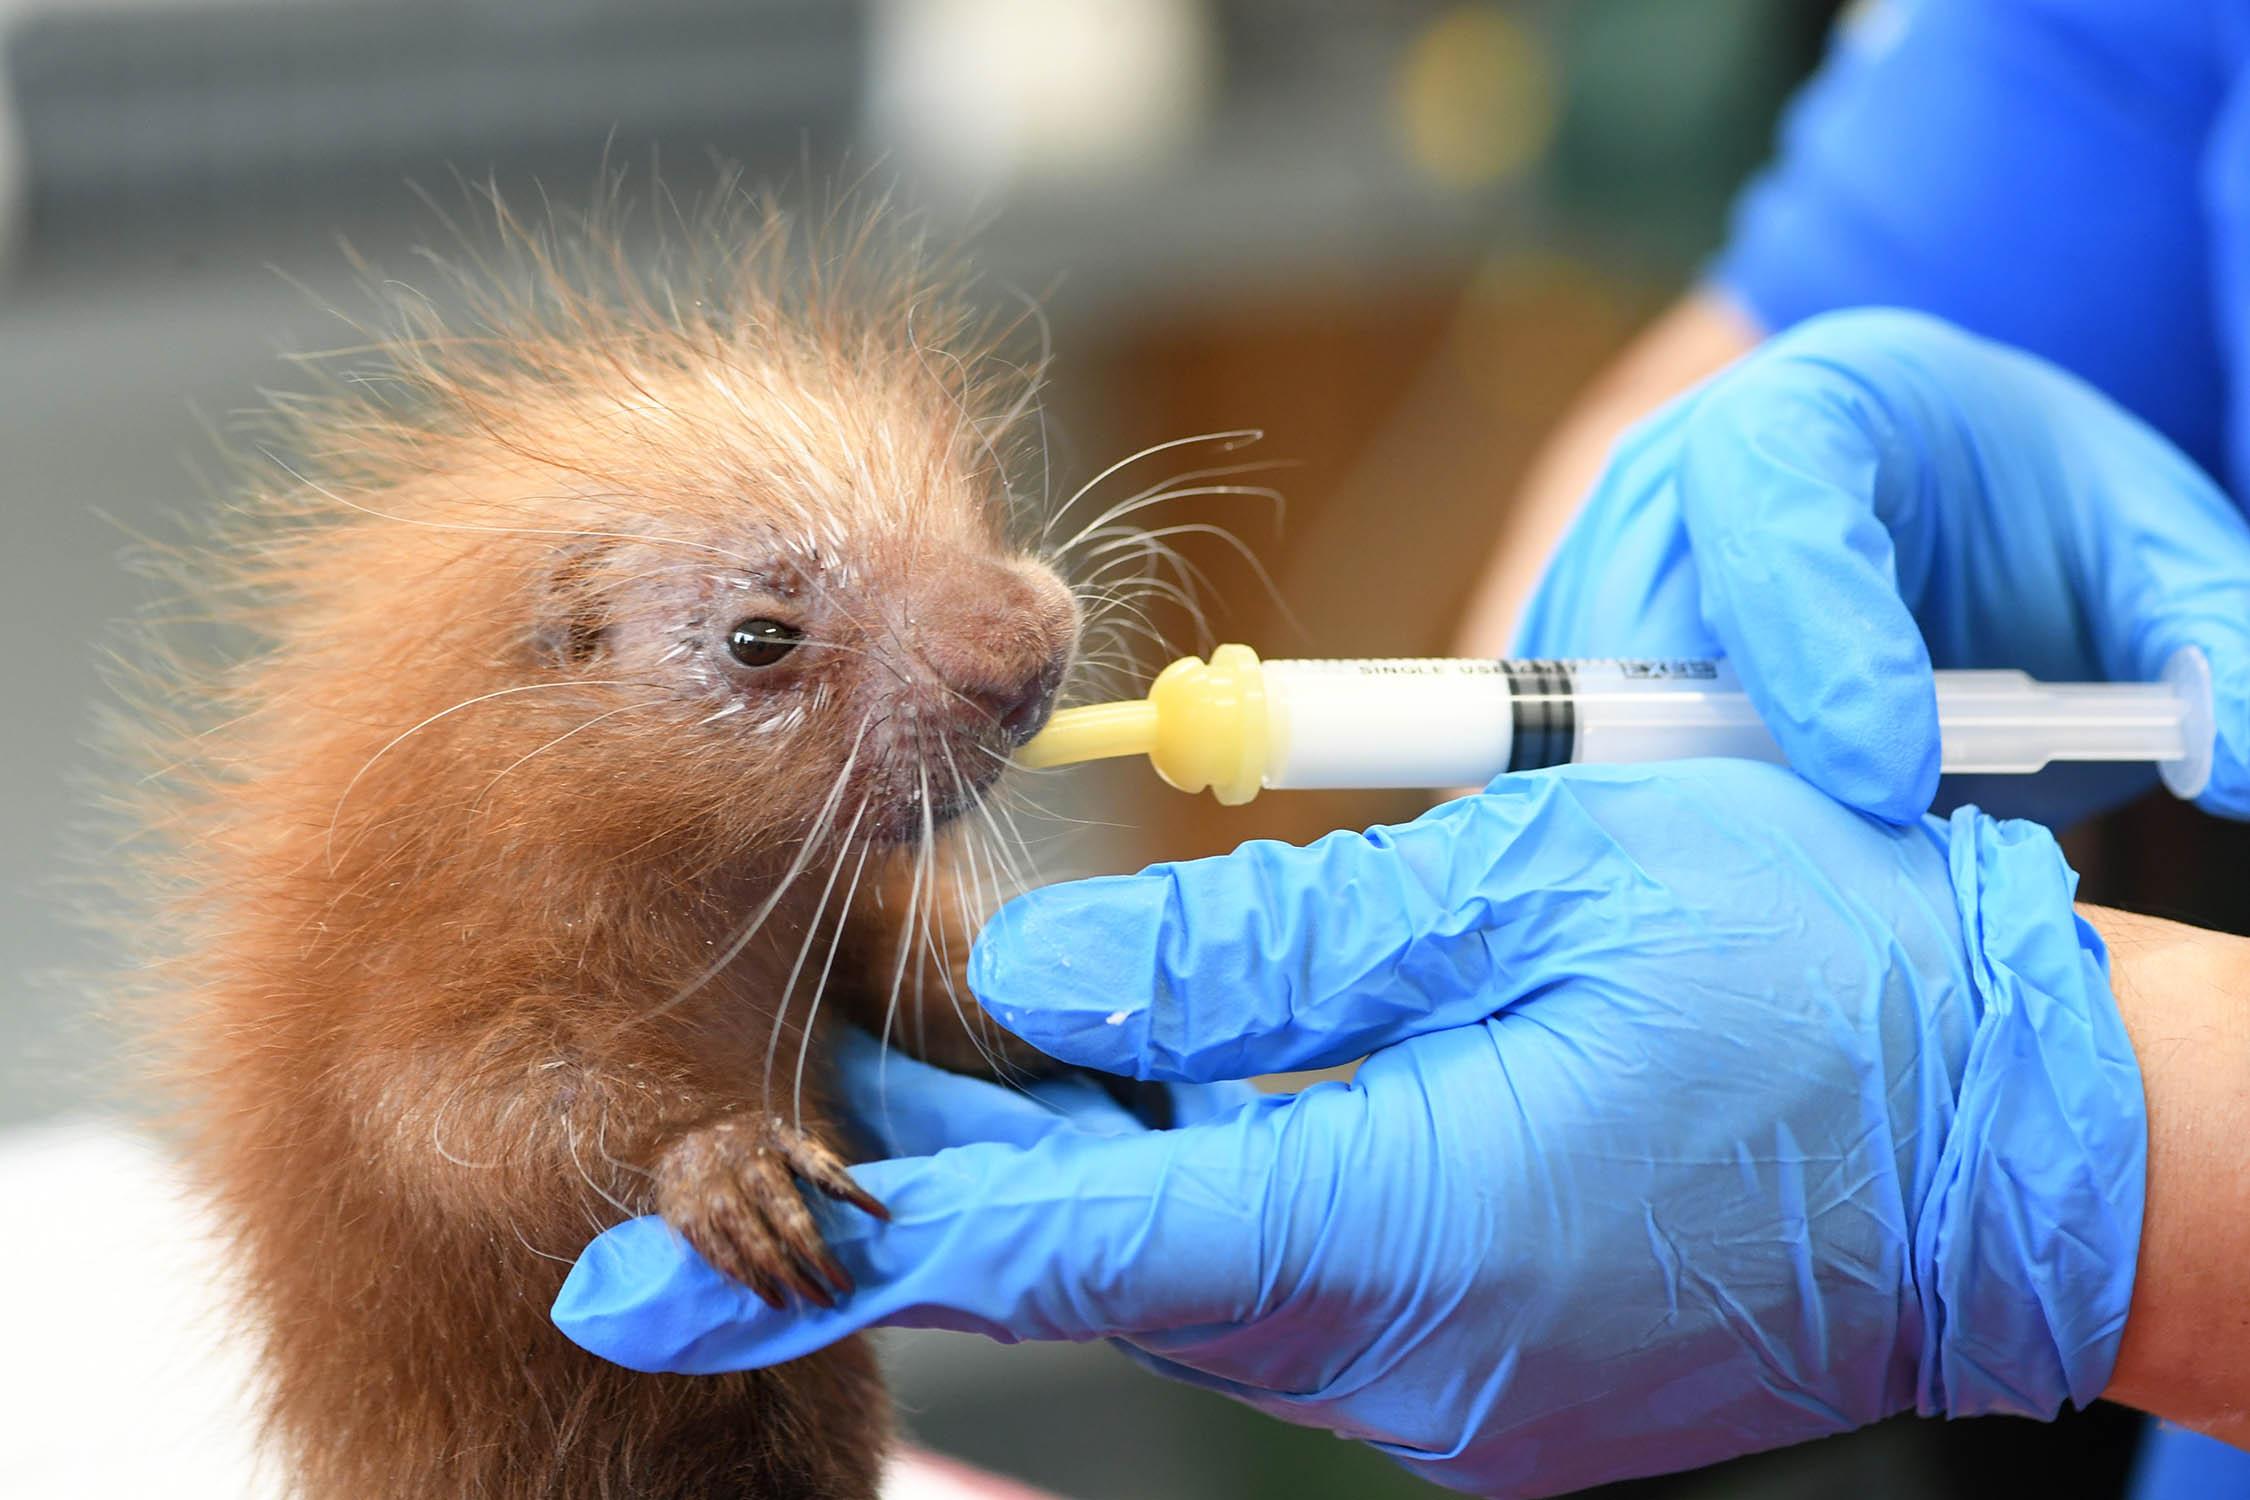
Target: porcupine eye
point(762, 642)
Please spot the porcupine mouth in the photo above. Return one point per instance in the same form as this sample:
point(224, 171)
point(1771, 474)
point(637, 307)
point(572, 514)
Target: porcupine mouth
point(905, 818)
point(954, 775)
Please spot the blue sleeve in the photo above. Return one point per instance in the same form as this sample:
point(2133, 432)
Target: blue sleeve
point(2176, 1464)
point(2029, 169)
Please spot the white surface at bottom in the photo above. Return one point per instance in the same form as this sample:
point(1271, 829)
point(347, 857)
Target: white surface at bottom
point(128, 1383)
point(121, 1378)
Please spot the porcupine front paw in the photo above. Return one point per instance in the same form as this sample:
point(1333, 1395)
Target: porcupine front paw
point(731, 1188)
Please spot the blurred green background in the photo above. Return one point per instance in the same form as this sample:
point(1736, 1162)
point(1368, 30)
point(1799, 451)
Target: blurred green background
point(1396, 236)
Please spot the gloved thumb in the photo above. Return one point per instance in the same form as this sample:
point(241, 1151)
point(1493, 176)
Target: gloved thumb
point(1277, 957)
point(1075, 1237)
point(1788, 467)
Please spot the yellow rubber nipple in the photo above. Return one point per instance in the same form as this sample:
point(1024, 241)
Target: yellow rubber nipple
point(1203, 724)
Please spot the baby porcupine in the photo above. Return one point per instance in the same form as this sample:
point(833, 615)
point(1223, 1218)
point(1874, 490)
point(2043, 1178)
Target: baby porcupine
point(618, 632)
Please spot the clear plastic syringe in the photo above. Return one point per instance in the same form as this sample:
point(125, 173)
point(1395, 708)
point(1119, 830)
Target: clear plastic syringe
point(1237, 725)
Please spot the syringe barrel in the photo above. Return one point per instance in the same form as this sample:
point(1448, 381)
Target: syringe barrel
point(2007, 722)
point(1451, 722)
point(1441, 721)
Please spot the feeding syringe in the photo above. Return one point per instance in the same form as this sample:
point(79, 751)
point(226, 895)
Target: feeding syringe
point(1237, 725)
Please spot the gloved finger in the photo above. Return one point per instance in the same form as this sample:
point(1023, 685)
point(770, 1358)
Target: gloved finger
point(1277, 957)
point(1793, 470)
point(1200, 1103)
point(1139, 1104)
point(904, 1107)
point(2013, 462)
point(2175, 585)
point(908, 1108)
point(1186, 1374)
point(1622, 581)
point(1075, 1237)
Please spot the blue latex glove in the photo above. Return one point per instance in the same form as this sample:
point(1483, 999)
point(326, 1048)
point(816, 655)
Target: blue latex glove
point(1873, 492)
point(1704, 1115)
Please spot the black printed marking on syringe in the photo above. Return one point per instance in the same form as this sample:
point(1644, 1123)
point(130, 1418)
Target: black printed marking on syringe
point(1543, 707)
point(1683, 669)
point(1632, 668)
point(1543, 727)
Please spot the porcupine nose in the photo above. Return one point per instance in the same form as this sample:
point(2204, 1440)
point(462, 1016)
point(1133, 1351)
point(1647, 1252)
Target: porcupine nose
point(999, 638)
point(1021, 711)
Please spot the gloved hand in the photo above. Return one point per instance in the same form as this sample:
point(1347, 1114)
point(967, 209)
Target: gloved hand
point(1704, 1115)
point(1873, 492)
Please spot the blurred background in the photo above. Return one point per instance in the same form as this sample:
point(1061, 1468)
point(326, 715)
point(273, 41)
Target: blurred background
point(1396, 237)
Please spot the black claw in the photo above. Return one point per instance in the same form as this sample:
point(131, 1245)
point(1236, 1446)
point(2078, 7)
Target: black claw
point(859, 1198)
point(840, 1185)
point(794, 1276)
point(812, 1284)
point(832, 1270)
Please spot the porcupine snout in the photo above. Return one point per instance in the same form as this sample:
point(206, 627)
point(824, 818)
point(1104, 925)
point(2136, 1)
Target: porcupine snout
point(997, 640)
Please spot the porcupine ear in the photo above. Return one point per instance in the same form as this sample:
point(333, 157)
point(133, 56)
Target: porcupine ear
point(572, 628)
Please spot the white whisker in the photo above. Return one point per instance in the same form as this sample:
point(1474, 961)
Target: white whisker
point(558, 739)
point(812, 930)
point(1228, 441)
point(329, 843)
point(750, 929)
point(1185, 487)
point(820, 989)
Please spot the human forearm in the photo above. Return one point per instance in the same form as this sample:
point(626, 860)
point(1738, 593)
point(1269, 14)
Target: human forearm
point(2184, 995)
point(1701, 333)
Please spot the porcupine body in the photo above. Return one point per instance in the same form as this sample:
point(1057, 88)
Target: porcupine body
point(615, 635)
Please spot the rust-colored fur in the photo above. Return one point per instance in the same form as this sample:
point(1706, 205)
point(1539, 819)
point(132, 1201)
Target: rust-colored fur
point(460, 863)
